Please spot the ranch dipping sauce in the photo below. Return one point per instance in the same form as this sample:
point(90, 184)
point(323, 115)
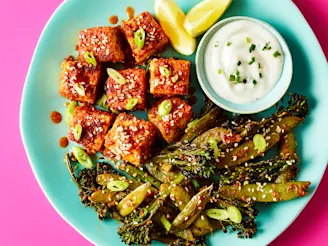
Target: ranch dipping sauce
point(243, 61)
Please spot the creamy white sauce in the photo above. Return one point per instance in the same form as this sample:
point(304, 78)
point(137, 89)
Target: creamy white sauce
point(229, 46)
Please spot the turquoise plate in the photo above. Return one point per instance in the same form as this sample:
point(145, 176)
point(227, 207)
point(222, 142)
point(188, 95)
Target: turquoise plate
point(40, 97)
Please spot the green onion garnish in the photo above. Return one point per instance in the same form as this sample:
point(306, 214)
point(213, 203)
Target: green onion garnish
point(252, 48)
point(131, 103)
point(260, 74)
point(259, 65)
point(139, 38)
point(239, 63)
point(175, 78)
point(90, 58)
point(248, 40)
point(164, 108)
point(164, 71)
point(216, 45)
point(79, 89)
point(232, 77)
point(267, 47)
point(77, 132)
point(276, 54)
point(219, 71)
point(251, 61)
point(259, 142)
point(244, 81)
point(217, 214)
point(229, 43)
point(82, 157)
point(254, 82)
point(234, 214)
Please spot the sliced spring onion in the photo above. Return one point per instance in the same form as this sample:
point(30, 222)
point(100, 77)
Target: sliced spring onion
point(276, 54)
point(77, 132)
point(248, 40)
point(132, 102)
point(90, 58)
point(214, 146)
point(229, 43)
point(68, 116)
point(115, 111)
point(164, 108)
point(254, 82)
point(79, 89)
point(220, 71)
point(139, 38)
point(234, 214)
point(116, 76)
point(239, 63)
point(164, 71)
point(166, 223)
point(260, 74)
point(117, 185)
point(217, 214)
point(102, 102)
point(252, 48)
point(82, 157)
point(251, 61)
point(175, 78)
point(259, 142)
point(232, 78)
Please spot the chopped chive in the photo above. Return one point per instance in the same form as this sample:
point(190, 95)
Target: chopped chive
point(251, 61)
point(252, 48)
point(244, 81)
point(220, 71)
point(239, 63)
point(276, 54)
point(259, 65)
point(238, 79)
point(232, 78)
point(260, 74)
point(254, 82)
point(237, 72)
point(248, 40)
point(216, 45)
point(229, 43)
point(267, 47)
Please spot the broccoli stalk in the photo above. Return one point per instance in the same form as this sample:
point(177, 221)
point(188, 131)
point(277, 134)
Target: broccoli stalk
point(262, 171)
point(138, 230)
point(191, 160)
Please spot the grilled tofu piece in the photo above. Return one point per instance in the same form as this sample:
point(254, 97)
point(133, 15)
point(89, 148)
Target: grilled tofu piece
point(169, 77)
point(171, 127)
point(129, 139)
point(79, 81)
point(119, 95)
point(95, 124)
point(155, 38)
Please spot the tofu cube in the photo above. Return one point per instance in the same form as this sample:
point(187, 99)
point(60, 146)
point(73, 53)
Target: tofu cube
point(176, 83)
point(129, 139)
point(171, 126)
point(118, 95)
point(155, 41)
point(103, 42)
point(95, 124)
point(79, 81)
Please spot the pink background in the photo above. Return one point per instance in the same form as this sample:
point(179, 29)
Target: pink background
point(26, 217)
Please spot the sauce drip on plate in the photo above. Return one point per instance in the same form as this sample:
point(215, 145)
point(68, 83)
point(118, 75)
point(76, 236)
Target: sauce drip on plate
point(113, 19)
point(130, 12)
point(63, 142)
point(55, 117)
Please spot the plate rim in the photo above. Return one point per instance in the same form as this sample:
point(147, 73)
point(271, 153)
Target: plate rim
point(28, 152)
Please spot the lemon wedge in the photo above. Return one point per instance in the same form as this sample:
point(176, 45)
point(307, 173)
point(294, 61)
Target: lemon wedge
point(203, 15)
point(171, 19)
